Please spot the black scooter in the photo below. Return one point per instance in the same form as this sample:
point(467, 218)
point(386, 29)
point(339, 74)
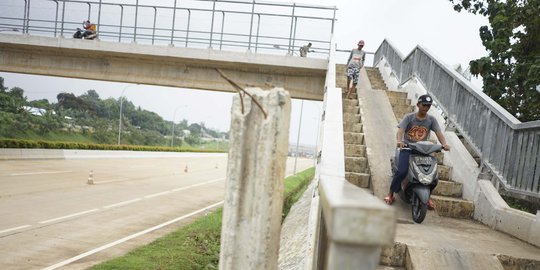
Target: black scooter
point(421, 179)
point(80, 35)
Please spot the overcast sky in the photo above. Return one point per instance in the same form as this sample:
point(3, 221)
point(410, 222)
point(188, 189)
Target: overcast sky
point(452, 37)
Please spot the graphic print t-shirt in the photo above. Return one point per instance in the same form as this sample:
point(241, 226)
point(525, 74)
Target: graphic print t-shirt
point(418, 130)
point(356, 58)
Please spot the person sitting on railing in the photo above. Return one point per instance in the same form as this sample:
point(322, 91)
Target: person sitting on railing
point(305, 49)
point(354, 64)
point(414, 127)
point(90, 30)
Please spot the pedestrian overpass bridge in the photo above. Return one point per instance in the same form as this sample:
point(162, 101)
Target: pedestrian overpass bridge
point(340, 223)
point(161, 65)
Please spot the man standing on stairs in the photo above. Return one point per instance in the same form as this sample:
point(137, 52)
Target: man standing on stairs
point(413, 128)
point(354, 64)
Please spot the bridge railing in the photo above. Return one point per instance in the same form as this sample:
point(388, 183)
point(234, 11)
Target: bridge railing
point(508, 148)
point(224, 24)
point(348, 226)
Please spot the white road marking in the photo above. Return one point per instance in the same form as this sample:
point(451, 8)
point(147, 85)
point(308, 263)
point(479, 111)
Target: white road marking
point(33, 173)
point(127, 202)
point(157, 194)
point(14, 229)
point(141, 166)
point(199, 184)
point(68, 216)
point(110, 181)
point(96, 250)
point(122, 203)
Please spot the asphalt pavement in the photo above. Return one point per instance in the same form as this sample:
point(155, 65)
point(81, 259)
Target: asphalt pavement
point(52, 218)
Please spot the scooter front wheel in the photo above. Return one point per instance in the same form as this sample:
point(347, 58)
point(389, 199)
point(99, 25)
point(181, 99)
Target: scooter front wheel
point(418, 209)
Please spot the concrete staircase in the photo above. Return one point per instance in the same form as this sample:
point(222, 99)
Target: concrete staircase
point(447, 195)
point(401, 105)
point(356, 162)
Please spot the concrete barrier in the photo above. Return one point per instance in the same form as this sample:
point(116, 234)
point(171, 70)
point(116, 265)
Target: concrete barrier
point(493, 211)
point(22, 154)
point(29, 154)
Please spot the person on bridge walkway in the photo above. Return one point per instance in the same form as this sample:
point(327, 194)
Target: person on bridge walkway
point(305, 49)
point(90, 30)
point(354, 64)
point(414, 127)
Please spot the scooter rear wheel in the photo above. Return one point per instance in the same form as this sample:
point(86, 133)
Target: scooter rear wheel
point(418, 209)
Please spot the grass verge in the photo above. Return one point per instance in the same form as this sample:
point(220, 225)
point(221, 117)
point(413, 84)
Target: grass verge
point(196, 246)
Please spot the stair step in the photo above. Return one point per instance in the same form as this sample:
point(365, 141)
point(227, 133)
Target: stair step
point(355, 150)
point(353, 138)
point(396, 94)
point(444, 172)
point(351, 96)
point(352, 127)
point(351, 118)
point(350, 102)
point(376, 80)
point(403, 107)
point(402, 101)
point(402, 112)
point(394, 255)
point(449, 189)
point(453, 207)
point(377, 84)
point(356, 164)
point(440, 157)
point(358, 179)
point(351, 109)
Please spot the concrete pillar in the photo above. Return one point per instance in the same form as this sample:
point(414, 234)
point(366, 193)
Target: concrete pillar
point(254, 188)
point(357, 225)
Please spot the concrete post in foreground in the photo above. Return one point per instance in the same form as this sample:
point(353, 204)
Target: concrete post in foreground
point(254, 187)
point(357, 225)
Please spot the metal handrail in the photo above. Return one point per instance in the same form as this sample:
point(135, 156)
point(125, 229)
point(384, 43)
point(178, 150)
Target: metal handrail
point(60, 22)
point(509, 149)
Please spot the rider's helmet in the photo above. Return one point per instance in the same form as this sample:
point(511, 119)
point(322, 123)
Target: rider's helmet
point(86, 24)
point(425, 99)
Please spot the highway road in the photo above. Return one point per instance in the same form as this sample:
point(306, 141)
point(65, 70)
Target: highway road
point(51, 218)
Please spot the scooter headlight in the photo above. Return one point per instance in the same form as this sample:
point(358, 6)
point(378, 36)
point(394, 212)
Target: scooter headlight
point(425, 179)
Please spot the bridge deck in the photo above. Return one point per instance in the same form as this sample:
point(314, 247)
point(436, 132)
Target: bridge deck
point(161, 65)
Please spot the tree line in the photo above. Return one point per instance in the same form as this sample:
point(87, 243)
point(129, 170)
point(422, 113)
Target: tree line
point(88, 118)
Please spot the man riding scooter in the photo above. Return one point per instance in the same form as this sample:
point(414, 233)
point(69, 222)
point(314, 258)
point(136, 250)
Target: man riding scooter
point(413, 128)
point(90, 31)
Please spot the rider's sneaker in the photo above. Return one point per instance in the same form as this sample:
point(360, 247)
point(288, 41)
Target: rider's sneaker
point(430, 204)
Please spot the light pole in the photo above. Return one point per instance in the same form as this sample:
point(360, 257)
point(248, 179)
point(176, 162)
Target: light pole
point(120, 117)
point(172, 128)
point(298, 137)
